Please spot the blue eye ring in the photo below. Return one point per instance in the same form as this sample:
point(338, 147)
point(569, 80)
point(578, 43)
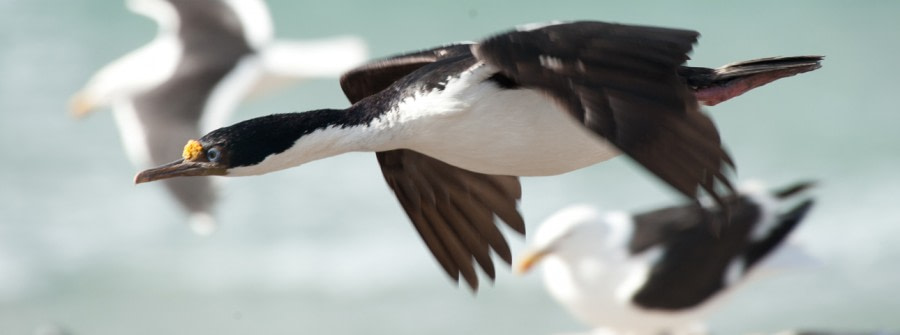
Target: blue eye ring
point(213, 155)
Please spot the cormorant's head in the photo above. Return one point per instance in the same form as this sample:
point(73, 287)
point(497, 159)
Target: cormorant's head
point(197, 160)
point(251, 147)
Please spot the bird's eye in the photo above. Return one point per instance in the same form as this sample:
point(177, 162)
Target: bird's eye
point(213, 155)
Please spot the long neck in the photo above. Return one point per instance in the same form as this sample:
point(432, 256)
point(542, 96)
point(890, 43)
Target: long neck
point(336, 132)
point(288, 140)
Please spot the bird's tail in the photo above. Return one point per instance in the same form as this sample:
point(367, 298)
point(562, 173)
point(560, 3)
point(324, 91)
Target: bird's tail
point(712, 86)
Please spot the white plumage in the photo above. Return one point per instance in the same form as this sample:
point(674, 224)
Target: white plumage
point(537, 137)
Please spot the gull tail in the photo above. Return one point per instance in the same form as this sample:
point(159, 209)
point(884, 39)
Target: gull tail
point(712, 86)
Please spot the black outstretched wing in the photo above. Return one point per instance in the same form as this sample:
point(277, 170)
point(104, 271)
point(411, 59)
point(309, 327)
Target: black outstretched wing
point(372, 77)
point(452, 209)
point(622, 82)
point(694, 264)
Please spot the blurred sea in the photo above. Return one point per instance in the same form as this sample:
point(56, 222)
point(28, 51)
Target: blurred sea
point(324, 248)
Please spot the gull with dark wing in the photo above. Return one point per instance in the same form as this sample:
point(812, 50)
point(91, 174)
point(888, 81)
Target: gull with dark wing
point(207, 57)
point(661, 271)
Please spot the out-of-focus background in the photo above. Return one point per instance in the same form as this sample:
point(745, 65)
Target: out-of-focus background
point(325, 248)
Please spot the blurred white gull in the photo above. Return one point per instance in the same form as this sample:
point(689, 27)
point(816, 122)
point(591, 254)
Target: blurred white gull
point(207, 57)
point(664, 270)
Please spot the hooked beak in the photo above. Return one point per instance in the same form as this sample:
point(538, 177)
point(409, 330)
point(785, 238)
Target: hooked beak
point(529, 260)
point(179, 168)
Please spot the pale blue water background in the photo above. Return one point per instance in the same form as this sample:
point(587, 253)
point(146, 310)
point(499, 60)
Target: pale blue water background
point(325, 249)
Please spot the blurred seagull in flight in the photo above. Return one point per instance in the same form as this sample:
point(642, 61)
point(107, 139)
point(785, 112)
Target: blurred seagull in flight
point(453, 127)
point(207, 57)
point(660, 272)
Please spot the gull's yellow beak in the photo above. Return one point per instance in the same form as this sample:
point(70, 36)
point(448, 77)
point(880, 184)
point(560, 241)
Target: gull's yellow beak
point(80, 105)
point(529, 260)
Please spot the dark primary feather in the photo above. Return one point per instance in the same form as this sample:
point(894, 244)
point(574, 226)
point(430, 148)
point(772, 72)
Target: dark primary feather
point(794, 189)
point(622, 82)
point(452, 209)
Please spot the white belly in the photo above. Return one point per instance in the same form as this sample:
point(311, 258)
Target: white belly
point(509, 132)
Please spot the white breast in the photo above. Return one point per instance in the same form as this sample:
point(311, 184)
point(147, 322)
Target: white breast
point(476, 125)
